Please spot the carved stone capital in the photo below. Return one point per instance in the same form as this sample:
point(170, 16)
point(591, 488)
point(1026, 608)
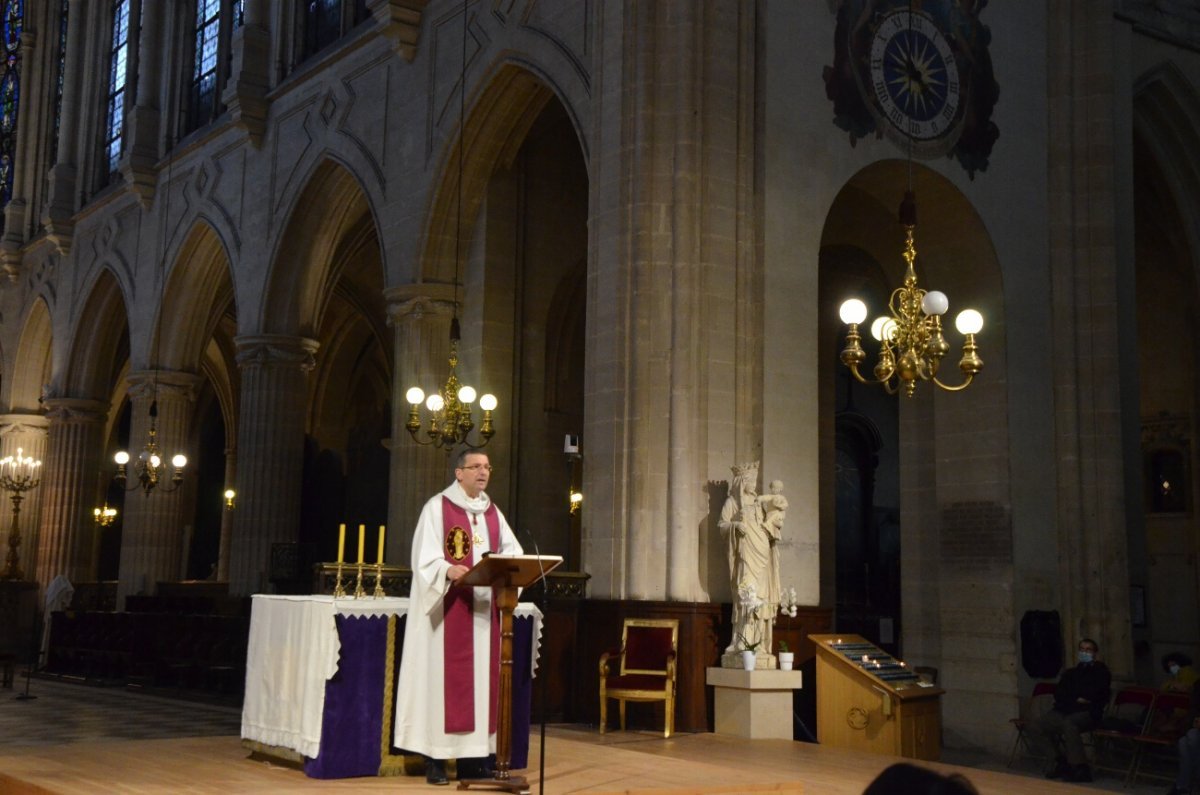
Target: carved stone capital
point(164, 383)
point(415, 302)
point(75, 410)
point(24, 424)
point(139, 164)
point(276, 350)
point(245, 94)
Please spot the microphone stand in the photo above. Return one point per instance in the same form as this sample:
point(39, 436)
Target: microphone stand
point(544, 678)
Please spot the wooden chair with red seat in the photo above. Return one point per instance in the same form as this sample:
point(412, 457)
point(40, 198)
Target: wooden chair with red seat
point(645, 669)
point(1040, 701)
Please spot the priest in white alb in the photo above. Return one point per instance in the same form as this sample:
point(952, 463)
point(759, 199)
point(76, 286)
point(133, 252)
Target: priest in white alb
point(450, 668)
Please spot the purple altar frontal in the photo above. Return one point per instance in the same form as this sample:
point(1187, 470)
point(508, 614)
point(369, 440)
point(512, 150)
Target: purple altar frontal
point(320, 679)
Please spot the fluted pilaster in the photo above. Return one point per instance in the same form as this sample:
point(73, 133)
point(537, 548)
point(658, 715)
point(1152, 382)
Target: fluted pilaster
point(26, 432)
point(227, 518)
point(421, 323)
point(270, 452)
point(153, 526)
point(70, 487)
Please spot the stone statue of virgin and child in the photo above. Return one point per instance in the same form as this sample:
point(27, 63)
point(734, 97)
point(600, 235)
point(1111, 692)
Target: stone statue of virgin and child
point(752, 525)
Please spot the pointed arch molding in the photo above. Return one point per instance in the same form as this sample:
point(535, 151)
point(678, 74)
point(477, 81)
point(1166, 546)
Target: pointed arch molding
point(1167, 118)
point(304, 269)
point(97, 333)
point(31, 365)
point(198, 292)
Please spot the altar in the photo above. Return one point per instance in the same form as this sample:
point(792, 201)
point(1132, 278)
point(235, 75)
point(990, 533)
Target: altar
point(320, 679)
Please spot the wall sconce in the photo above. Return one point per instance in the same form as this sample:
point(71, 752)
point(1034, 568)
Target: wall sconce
point(229, 496)
point(576, 502)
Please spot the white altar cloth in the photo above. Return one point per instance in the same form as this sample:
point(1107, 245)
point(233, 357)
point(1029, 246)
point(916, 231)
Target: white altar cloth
point(292, 651)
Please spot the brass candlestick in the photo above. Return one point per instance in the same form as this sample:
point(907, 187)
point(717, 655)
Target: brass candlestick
point(378, 593)
point(339, 590)
point(17, 475)
point(359, 593)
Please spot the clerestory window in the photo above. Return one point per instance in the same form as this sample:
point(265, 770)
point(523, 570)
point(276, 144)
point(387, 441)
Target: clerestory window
point(215, 21)
point(10, 94)
point(323, 22)
point(118, 64)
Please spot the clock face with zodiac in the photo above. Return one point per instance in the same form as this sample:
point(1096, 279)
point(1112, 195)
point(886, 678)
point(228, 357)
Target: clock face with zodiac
point(913, 77)
point(917, 72)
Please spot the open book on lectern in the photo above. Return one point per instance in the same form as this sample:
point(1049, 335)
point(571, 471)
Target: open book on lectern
point(520, 571)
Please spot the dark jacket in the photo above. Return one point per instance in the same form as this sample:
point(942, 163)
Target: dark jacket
point(1086, 680)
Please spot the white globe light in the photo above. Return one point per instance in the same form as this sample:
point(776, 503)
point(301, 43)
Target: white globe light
point(434, 402)
point(853, 311)
point(488, 402)
point(179, 461)
point(230, 494)
point(155, 461)
point(414, 396)
point(466, 394)
point(122, 458)
point(968, 322)
point(935, 302)
point(883, 327)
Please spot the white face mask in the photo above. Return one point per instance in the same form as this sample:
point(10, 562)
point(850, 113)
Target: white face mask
point(1174, 669)
point(1085, 656)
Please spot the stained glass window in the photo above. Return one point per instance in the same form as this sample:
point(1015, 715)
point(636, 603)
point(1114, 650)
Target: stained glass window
point(207, 40)
point(326, 20)
point(118, 62)
point(10, 94)
point(60, 69)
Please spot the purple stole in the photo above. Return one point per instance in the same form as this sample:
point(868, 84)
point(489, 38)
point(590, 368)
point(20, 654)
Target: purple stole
point(458, 634)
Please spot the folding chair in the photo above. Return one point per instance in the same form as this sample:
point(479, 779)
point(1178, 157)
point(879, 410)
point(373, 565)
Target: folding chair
point(1157, 747)
point(1040, 700)
point(1124, 721)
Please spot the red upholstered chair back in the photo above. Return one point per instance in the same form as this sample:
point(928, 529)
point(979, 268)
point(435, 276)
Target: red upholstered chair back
point(648, 642)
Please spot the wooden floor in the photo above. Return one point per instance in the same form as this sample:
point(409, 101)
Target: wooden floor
point(577, 760)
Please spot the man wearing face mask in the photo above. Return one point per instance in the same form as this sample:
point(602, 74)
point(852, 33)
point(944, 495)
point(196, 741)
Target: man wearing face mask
point(1079, 699)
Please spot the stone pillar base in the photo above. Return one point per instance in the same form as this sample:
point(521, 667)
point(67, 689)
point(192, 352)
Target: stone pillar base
point(756, 704)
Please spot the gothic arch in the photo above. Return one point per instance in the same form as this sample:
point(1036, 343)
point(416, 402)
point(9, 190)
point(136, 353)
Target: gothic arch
point(97, 340)
point(1166, 119)
point(32, 364)
point(305, 268)
point(199, 291)
point(493, 131)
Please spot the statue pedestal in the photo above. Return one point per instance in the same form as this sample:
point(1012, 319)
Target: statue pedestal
point(756, 704)
point(763, 661)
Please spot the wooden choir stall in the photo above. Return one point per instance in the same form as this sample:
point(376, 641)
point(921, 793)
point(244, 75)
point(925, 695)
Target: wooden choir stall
point(870, 701)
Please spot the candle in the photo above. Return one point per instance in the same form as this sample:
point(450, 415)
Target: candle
point(341, 542)
point(361, 529)
point(379, 557)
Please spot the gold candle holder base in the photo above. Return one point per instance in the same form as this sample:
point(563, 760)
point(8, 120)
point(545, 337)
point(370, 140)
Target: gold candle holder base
point(359, 593)
point(339, 590)
point(378, 593)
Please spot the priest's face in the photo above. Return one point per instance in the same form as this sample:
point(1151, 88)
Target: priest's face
point(473, 475)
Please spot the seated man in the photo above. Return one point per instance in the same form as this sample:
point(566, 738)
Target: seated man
point(1079, 699)
point(1189, 747)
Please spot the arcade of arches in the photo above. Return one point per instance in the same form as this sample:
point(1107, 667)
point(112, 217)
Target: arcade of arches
point(645, 219)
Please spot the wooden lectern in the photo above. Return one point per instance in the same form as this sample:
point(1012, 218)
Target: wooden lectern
point(505, 574)
point(868, 700)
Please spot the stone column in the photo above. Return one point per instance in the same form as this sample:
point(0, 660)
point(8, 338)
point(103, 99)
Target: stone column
point(271, 430)
point(153, 525)
point(227, 518)
point(26, 432)
point(419, 315)
point(246, 90)
point(71, 485)
point(25, 163)
point(138, 164)
point(60, 182)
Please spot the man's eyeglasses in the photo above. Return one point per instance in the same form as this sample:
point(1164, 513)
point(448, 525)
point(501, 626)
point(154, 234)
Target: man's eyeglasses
point(484, 467)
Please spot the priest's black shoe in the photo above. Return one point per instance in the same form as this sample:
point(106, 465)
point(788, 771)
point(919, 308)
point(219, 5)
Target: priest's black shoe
point(476, 767)
point(435, 772)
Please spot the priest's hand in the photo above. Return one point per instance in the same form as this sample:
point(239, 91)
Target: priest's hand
point(455, 573)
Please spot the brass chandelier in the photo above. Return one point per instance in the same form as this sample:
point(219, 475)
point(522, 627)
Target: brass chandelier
point(450, 420)
point(149, 468)
point(911, 345)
